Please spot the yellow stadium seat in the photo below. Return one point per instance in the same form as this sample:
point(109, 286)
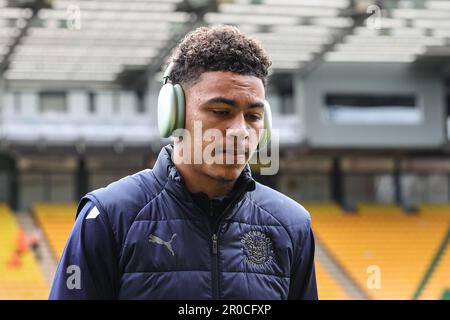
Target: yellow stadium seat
point(327, 286)
point(323, 208)
point(56, 221)
point(440, 279)
point(379, 208)
point(25, 281)
point(400, 245)
point(438, 210)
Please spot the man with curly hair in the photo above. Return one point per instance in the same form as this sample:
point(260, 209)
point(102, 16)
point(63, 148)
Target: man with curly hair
point(189, 229)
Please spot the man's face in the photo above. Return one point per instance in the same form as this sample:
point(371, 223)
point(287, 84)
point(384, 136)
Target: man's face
point(234, 105)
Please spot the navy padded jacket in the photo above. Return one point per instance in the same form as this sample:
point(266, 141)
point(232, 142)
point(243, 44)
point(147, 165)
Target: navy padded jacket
point(146, 237)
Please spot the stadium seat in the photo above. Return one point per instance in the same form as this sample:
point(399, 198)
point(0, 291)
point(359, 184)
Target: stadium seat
point(379, 208)
point(323, 208)
point(25, 281)
point(56, 221)
point(439, 210)
point(439, 282)
point(327, 286)
point(401, 245)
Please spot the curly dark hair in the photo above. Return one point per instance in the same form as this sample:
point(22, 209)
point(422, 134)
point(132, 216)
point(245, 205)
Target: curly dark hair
point(218, 48)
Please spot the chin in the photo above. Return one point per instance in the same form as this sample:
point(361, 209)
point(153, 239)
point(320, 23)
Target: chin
point(226, 172)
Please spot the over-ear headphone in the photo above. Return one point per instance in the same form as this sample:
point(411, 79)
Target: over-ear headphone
point(172, 110)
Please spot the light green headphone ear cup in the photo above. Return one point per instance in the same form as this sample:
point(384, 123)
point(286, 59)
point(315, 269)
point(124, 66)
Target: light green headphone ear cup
point(181, 107)
point(265, 138)
point(167, 110)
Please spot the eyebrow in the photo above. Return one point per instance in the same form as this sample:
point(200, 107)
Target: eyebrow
point(232, 102)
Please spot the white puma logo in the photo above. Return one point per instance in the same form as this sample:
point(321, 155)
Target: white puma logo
point(167, 244)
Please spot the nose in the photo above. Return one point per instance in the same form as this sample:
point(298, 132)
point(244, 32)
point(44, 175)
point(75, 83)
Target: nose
point(238, 128)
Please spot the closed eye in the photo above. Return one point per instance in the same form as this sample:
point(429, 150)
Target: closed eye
point(254, 117)
point(220, 112)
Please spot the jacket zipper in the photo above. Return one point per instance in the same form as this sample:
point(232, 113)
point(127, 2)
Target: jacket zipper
point(215, 267)
point(215, 248)
point(215, 259)
point(214, 244)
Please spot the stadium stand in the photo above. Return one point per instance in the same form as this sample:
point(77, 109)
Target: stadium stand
point(379, 209)
point(401, 245)
point(24, 280)
point(56, 221)
point(438, 283)
point(327, 286)
point(435, 209)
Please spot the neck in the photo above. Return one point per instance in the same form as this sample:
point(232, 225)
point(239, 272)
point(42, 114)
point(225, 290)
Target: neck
point(199, 182)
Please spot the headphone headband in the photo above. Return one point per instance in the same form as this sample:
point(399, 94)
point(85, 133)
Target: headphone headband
point(167, 73)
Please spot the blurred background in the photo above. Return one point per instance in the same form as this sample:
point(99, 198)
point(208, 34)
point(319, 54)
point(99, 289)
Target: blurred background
point(359, 90)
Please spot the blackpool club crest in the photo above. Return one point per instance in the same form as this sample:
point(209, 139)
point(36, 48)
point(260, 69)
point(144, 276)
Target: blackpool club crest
point(257, 247)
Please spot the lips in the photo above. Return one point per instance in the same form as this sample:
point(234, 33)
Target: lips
point(232, 152)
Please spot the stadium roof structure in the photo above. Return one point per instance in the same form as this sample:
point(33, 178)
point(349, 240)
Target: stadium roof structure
point(115, 40)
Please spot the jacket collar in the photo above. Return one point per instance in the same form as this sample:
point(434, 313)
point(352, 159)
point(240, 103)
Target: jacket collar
point(168, 175)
